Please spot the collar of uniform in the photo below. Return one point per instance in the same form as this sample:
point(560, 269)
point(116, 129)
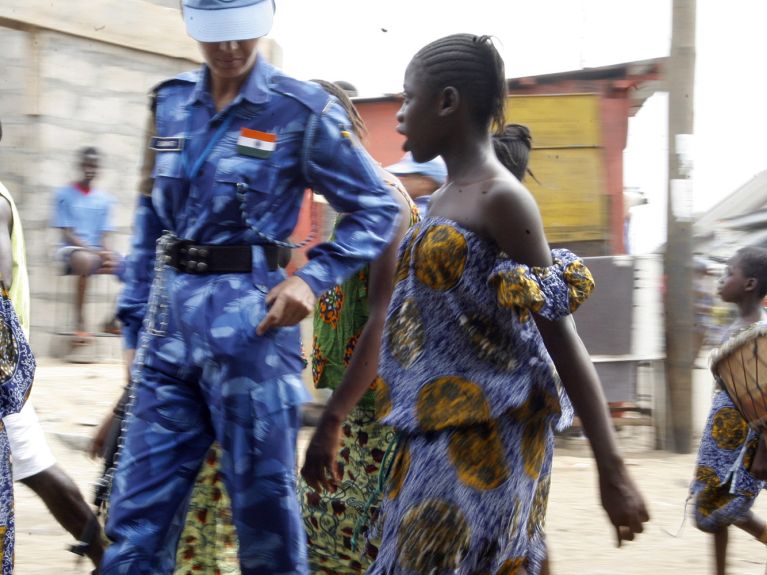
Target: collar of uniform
point(255, 89)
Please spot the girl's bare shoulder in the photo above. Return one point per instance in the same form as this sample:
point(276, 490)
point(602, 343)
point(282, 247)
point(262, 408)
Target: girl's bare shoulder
point(512, 219)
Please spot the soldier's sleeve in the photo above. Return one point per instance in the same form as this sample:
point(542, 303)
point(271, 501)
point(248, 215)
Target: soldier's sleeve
point(337, 166)
point(139, 269)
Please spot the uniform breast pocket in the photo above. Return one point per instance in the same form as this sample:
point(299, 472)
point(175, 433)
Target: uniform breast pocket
point(245, 185)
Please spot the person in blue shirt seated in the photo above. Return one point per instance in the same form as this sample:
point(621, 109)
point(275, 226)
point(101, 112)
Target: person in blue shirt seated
point(83, 214)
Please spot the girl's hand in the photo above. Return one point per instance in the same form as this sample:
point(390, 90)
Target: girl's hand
point(321, 470)
point(623, 503)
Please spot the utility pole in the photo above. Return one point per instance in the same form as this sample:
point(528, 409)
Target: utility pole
point(679, 316)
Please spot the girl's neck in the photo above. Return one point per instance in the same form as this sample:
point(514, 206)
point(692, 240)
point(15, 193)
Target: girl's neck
point(750, 312)
point(470, 159)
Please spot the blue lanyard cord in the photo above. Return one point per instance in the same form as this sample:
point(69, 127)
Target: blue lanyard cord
point(219, 133)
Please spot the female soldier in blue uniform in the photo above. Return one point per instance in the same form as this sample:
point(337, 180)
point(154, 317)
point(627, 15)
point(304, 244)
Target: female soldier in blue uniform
point(235, 145)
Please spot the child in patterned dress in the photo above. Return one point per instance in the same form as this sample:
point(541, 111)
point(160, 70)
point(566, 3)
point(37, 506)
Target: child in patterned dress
point(730, 470)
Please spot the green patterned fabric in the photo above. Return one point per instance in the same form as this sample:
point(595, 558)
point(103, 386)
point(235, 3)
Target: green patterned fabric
point(331, 519)
point(208, 544)
point(339, 316)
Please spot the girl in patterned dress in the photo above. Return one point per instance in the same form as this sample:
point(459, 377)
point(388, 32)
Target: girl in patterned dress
point(731, 468)
point(478, 327)
point(343, 459)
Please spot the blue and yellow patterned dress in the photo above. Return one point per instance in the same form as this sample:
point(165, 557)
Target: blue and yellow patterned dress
point(723, 487)
point(468, 384)
point(12, 398)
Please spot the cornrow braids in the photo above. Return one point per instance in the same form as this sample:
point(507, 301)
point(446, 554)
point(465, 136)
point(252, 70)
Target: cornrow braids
point(358, 124)
point(473, 66)
point(512, 147)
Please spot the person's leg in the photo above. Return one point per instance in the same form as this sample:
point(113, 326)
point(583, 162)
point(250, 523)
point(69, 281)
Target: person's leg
point(82, 263)
point(66, 503)
point(168, 433)
point(35, 467)
point(720, 550)
point(753, 525)
point(252, 385)
point(82, 285)
point(259, 464)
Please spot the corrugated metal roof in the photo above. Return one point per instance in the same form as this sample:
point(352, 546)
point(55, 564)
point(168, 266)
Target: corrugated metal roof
point(747, 199)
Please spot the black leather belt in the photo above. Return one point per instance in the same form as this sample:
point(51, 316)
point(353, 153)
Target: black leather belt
point(191, 258)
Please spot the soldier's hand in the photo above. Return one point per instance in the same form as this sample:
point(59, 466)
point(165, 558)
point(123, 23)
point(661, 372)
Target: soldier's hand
point(289, 302)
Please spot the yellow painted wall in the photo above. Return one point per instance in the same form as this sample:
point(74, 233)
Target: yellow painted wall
point(568, 162)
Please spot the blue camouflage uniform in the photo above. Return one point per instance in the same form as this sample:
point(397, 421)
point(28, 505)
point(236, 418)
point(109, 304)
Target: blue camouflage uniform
point(201, 372)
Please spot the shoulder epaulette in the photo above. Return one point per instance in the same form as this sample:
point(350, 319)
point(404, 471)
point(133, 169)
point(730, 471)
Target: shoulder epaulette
point(186, 78)
point(191, 77)
point(309, 94)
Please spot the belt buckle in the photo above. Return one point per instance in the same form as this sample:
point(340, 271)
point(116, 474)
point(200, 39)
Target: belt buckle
point(196, 258)
point(176, 252)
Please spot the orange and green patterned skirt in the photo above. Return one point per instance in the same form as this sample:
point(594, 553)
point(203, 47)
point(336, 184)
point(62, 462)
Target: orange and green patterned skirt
point(337, 524)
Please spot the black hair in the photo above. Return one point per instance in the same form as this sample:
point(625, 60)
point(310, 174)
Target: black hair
point(512, 147)
point(88, 151)
point(473, 66)
point(752, 260)
point(358, 124)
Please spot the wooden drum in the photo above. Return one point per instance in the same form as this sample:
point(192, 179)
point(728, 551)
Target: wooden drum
point(741, 367)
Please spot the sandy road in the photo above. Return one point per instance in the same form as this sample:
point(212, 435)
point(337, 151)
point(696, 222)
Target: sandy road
point(71, 399)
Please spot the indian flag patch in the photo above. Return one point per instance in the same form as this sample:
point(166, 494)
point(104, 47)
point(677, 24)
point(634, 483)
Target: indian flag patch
point(256, 144)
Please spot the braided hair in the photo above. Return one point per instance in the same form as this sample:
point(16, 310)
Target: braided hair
point(473, 66)
point(512, 146)
point(358, 124)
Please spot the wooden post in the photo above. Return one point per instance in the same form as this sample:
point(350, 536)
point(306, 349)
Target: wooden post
point(679, 315)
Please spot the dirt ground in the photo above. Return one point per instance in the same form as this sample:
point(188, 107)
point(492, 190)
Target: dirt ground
point(71, 399)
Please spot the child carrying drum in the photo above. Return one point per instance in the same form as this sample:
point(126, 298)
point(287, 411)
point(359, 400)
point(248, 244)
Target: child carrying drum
point(730, 458)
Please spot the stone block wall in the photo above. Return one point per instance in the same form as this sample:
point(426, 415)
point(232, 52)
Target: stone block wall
point(84, 93)
point(75, 74)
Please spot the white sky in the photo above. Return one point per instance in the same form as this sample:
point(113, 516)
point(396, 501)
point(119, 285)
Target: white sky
point(345, 40)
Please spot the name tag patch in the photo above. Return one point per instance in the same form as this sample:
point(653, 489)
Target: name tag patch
point(159, 144)
point(256, 144)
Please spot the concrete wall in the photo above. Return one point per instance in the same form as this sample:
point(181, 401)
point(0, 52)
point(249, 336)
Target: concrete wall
point(77, 73)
